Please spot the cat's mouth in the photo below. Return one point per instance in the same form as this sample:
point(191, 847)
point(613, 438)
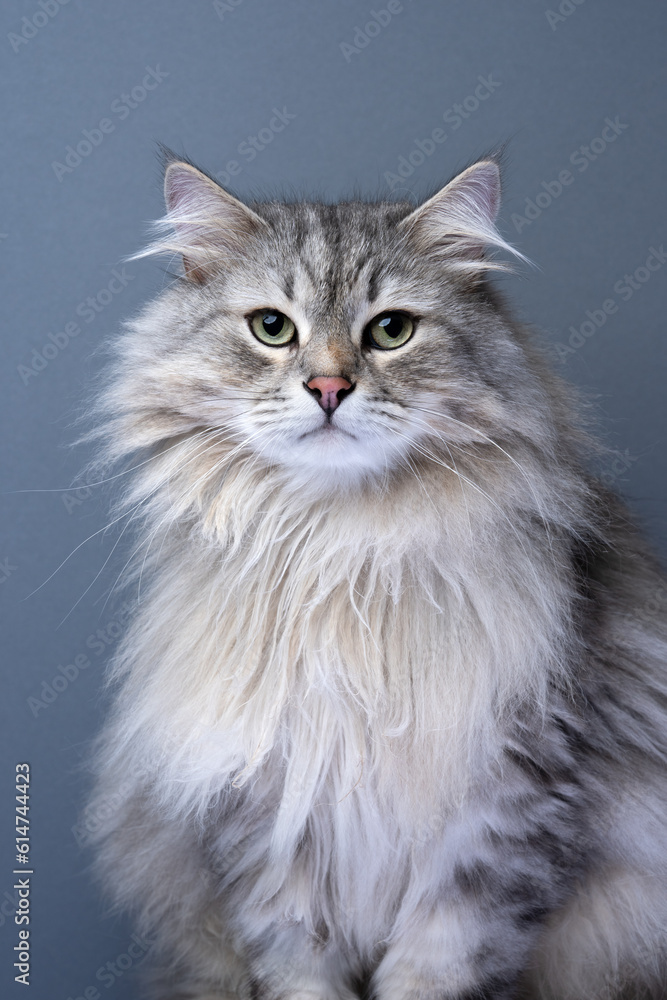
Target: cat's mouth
point(326, 429)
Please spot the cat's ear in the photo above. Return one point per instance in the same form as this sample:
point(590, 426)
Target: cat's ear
point(458, 223)
point(204, 224)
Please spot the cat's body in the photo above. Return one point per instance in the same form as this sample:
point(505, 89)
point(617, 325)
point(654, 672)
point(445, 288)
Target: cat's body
point(395, 697)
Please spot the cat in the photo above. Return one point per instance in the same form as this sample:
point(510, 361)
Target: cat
point(390, 720)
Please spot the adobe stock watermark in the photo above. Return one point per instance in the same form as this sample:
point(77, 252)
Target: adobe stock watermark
point(77, 495)
point(30, 26)
point(621, 462)
point(624, 288)
point(102, 807)
point(96, 643)
point(222, 7)
point(455, 117)
point(254, 144)
point(87, 310)
point(653, 606)
point(111, 971)
point(566, 9)
point(121, 107)
point(6, 569)
point(378, 20)
point(8, 906)
point(580, 158)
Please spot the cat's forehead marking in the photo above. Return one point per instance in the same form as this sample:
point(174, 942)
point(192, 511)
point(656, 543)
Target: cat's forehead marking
point(330, 300)
point(338, 284)
point(340, 247)
point(288, 286)
point(373, 280)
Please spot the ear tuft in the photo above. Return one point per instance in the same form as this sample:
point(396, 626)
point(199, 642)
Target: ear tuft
point(204, 224)
point(458, 223)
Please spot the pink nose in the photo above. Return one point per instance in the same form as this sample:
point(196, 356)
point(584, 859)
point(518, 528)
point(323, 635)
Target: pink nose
point(329, 391)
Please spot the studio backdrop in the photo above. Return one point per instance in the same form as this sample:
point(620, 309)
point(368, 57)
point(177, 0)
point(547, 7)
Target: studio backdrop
point(329, 100)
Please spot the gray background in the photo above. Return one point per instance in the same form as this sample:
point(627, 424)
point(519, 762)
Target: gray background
point(223, 72)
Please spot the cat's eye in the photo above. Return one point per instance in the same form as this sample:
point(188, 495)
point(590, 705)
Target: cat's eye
point(272, 327)
point(389, 330)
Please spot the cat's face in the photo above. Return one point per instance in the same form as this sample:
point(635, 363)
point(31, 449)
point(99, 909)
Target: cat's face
point(333, 340)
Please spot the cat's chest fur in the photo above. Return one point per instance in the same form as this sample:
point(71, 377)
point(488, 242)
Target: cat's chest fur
point(329, 670)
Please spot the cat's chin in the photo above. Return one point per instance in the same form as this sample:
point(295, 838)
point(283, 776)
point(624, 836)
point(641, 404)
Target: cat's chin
point(327, 435)
point(329, 458)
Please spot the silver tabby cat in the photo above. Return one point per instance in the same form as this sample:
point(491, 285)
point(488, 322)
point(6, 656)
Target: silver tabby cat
point(391, 718)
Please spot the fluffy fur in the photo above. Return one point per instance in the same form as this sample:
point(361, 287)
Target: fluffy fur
point(391, 718)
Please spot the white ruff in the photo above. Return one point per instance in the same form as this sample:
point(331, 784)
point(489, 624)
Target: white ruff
point(368, 642)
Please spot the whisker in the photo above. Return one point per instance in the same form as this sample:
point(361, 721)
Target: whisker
point(465, 501)
point(218, 440)
point(475, 486)
point(127, 513)
point(407, 461)
point(109, 479)
point(125, 526)
point(189, 490)
point(80, 545)
point(538, 504)
point(403, 460)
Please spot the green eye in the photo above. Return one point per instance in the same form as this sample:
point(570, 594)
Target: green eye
point(390, 330)
point(272, 327)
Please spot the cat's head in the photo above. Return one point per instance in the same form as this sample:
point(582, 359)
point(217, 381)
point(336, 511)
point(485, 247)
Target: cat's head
point(340, 343)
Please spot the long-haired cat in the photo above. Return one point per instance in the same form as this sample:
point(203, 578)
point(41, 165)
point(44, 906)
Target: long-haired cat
point(391, 717)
